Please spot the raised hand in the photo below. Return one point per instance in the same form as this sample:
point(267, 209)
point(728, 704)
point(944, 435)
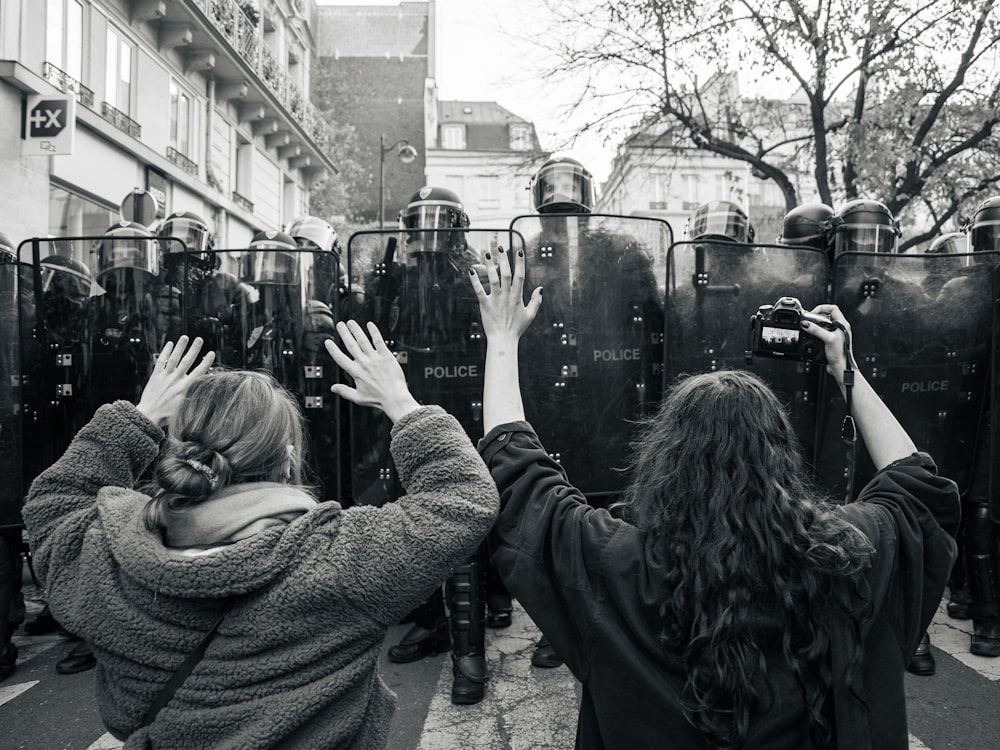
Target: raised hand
point(378, 379)
point(505, 316)
point(171, 377)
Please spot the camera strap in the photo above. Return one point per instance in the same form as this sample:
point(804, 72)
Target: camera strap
point(848, 431)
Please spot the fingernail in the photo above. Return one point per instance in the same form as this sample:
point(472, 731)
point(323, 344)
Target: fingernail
point(472, 272)
point(499, 249)
point(488, 256)
point(520, 253)
point(805, 323)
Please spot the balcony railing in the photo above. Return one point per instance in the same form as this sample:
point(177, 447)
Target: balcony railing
point(68, 84)
point(244, 36)
point(121, 120)
point(243, 202)
point(182, 161)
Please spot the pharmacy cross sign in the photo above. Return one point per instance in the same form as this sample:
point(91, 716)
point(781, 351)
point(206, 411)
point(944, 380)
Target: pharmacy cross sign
point(47, 118)
point(48, 125)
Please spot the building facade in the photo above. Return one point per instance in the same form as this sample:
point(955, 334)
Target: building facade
point(203, 103)
point(488, 156)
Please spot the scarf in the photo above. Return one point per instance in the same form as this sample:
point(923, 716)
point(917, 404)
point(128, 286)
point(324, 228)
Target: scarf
point(235, 512)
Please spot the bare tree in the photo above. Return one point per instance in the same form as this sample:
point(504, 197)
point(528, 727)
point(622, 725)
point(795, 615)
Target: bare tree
point(895, 100)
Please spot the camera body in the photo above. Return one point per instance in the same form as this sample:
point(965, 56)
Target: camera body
point(776, 331)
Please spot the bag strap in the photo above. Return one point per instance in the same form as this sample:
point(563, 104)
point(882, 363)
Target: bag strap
point(168, 690)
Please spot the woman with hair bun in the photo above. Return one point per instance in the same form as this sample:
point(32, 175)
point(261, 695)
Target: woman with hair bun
point(224, 535)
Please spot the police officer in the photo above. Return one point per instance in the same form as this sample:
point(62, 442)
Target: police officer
point(423, 297)
point(979, 534)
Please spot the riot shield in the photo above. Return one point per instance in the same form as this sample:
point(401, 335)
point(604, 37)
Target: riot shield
point(415, 286)
point(713, 289)
point(12, 489)
point(271, 310)
point(592, 361)
point(922, 332)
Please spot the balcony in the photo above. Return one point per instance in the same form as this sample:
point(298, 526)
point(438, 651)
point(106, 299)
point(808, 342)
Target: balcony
point(241, 33)
point(120, 120)
point(175, 156)
point(67, 84)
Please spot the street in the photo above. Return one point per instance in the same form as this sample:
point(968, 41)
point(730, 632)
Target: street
point(525, 708)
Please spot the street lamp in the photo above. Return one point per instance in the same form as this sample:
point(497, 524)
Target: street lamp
point(406, 154)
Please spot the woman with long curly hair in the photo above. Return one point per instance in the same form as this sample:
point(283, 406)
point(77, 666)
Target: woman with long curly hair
point(725, 602)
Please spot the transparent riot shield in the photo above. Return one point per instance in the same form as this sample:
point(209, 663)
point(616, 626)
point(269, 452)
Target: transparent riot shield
point(592, 361)
point(272, 310)
point(57, 373)
point(415, 286)
point(922, 335)
point(713, 289)
point(12, 489)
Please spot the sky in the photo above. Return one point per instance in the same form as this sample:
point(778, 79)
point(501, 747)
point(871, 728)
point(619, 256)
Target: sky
point(481, 57)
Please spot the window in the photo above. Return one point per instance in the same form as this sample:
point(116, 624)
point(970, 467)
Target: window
point(453, 136)
point(243, 179)
point(72, 215)
point(690, 190)
point(181, 113)
point(522, 191)
point(118, 83)
point(520, 138)
point(489, 191)
point(661, 187)
point(64, 36)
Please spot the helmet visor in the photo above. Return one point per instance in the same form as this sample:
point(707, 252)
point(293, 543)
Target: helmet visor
point(65, 282)
point(314, 232)
point(865, 238)
point(985, 236)
point(128, 252)
point(723, 222)
point(194, 235)
point(429, 216)
point(564, 186)
point(274, 267)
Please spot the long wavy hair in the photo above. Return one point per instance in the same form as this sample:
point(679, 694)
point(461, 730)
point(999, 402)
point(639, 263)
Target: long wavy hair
point(719, 488)
point(233, 426)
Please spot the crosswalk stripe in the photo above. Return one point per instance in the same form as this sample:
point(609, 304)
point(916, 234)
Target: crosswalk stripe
point(10, 692)
point(105, 742)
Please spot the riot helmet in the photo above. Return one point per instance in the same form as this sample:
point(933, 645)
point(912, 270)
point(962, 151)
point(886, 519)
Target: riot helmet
point(563, 186)
point(984, 229)
point(808, 225)
point(127, 244)
point(435, 208)
point(7, 246)
point(191, 229)
point(67, 279)
point(950, 242)
point(274, 258)
point(864, 226)
point(313, 233)
point(720, 220)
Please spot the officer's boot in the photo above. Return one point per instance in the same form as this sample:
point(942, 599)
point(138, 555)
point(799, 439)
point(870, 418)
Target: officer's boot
point(984, 584)
point(465, 590)
point(429, 634)
point(922, 661)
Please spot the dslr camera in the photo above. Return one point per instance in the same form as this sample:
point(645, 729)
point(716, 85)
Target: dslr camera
point(776, 331)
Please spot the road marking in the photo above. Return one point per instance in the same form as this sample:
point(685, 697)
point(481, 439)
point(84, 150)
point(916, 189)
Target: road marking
point(105, 742)
point(10, 692)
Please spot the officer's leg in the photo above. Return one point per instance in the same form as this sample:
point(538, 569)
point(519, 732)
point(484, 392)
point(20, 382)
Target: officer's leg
point(465, 590)
point(429, 634)
point(499, 609)
point(959, 600)
point(984, 581)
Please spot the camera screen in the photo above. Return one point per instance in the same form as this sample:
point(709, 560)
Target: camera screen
point(780, 339)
